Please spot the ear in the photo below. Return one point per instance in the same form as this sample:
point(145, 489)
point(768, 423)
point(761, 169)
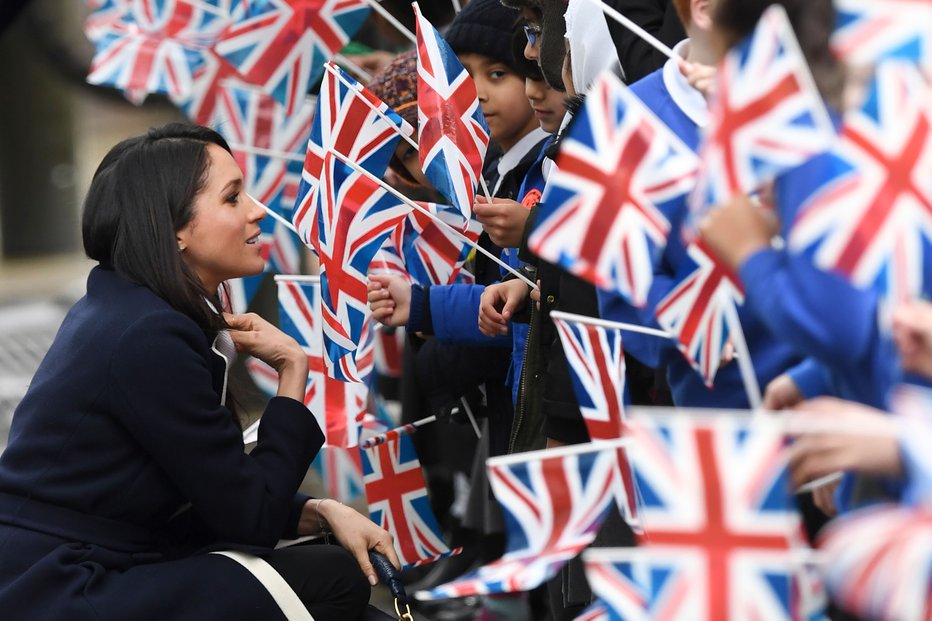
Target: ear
point(182, 236)
point(702, 13)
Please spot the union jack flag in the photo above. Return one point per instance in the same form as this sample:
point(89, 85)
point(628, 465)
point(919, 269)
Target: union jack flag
point(389, 345)
point(281, 45)
point(767, 116)
point(554, 501)
point(398, 502)
point(238, 293)
point(719, 516)
point(428, 252)
point(453, 134)
point(873, 221)
point(355, 218)
point(597, 367)
point(697, 310)
point(868, 31)
point(877, 562)
point(356, 124)
point(597, 611)
point(602, 212)
point(620, 585)
point(152, 46)
point(338, 406)
point(248, 118)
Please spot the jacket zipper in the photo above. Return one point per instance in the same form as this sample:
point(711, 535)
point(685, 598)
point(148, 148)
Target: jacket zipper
point(522, 388)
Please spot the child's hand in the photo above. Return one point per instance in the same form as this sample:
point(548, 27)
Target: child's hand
point(502, 219)
point(389, 299)
point(497, 305)
point(738, 229)
point(701, 77)
point(865, 441)
point(912, 333)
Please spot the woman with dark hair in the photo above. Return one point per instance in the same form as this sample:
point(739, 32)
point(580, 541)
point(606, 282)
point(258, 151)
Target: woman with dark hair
point(125, 492)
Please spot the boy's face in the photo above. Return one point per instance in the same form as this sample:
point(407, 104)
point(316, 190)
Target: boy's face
point(501, 96)
point(547, 103)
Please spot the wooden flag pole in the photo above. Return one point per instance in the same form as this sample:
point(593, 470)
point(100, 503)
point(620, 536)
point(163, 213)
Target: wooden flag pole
point(745, 366)
point(605, 323)
point(275, 216)
point(282, 155)
point(362, 73)
point(643, 34)
point(407, 201)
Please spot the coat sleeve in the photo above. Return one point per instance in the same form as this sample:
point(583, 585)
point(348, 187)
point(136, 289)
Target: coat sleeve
point(163, 394)
point(820, 314)
point(454, 312)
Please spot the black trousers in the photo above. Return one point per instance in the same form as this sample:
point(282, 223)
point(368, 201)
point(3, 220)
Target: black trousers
point(326, 578)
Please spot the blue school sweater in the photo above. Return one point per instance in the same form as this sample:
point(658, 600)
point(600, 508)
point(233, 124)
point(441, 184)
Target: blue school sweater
point(820, 313)
point(771, 356)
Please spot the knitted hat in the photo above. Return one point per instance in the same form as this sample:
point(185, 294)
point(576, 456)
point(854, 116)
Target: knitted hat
point(396, 85)
point(484, 27)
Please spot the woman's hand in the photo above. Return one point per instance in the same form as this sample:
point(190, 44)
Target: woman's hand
point(497, 305)
point(353, 530)
point(255, 336)
point(389, 299)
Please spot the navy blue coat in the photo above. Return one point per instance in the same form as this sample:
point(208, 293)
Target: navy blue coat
point(124, 468)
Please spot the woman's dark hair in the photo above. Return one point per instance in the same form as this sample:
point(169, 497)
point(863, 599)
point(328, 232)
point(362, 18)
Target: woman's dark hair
point(142, 193)
point(812, 21)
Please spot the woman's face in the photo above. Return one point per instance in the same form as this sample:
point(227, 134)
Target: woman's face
point(221, 241)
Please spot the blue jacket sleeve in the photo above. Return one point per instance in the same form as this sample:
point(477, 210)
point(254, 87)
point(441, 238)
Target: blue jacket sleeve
point(820, 314)
point(454, 311)
point(810, 377)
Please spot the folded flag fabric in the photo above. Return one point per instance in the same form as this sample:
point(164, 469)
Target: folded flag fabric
point(280, 45)
point(152, 46)
point(767, 116)
point(868, 32)
point(453, 135)
point(601, 215)
point(353, 122)
point(597, 368)
point(721, 527)
point(872, 222)
point(554, 502)
point(356, 215)
point(398, 502)
point(877, 562)
point(698, 310)
point(338, 406)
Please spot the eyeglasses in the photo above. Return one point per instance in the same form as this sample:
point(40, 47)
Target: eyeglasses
point(532, 32)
